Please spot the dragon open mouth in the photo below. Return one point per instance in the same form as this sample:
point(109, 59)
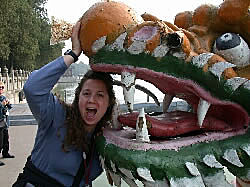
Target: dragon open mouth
point(216, 116)
point(209, 113)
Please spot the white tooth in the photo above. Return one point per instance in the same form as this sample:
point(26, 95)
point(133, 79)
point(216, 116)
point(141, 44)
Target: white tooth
point(211, 161)
point(187, 181)
point(137, 47)
point(145, 174)
point(116, 111)
point(160, 51)
point(230, 178)
point(218, 68)
point(232, 157)
point(217, 179)
point(118, 43)
point(157, 183)
point(247, 85)
point(192, 168)
point(247, 149)
point(236, 82)
point(166, 102)
point(102, 162)
point(203, 107)
point(202, 59)
point(129, 97)
point(128, 79)
point(98, 44)
point(141, 128)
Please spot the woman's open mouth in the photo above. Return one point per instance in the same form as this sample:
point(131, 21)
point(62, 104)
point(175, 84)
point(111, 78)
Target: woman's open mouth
point(91, 112)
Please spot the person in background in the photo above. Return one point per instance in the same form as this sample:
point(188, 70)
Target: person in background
point(64, 153)
point(5, 106)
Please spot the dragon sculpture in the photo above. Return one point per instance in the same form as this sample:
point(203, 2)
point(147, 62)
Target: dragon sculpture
point(203, 59)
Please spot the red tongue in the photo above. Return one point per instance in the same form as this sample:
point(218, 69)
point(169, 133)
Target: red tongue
point(91, 113)
point(174, 123)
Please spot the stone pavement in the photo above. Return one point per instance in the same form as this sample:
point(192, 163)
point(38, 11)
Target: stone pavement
point(21, 143)
point(20, 114)
point(20, 109)
point(22, 137)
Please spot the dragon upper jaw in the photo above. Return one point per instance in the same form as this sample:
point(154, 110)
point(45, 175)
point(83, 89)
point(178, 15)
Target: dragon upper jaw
point(212, 114)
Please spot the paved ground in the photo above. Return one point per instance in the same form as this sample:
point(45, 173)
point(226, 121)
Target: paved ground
point(21, 143)
point(20, 109)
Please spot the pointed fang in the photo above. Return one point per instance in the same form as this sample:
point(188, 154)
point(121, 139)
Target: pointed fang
point(141, 128)
point(128, 80)
point(202, 110)
point(232, 157)
point(166, 102)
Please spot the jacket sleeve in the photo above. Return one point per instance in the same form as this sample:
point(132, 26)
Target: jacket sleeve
point(38, 88)
point(1, 110)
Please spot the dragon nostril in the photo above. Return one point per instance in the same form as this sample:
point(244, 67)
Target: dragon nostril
point(173, 40)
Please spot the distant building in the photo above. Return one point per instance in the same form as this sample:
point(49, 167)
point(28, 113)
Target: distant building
point(68, 72)
point(76, 69)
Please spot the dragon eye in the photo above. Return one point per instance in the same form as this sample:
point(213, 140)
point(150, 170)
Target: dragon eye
point(232, 48)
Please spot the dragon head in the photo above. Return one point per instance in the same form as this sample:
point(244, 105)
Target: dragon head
point(206, 67)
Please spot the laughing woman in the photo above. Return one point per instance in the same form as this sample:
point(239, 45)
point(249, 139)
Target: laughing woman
point(64, 152)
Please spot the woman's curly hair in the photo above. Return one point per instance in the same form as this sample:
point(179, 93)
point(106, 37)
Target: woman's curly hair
point(76, 135)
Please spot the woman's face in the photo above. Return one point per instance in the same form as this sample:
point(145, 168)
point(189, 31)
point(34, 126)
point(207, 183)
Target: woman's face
point(2, 89)
point(93, 102)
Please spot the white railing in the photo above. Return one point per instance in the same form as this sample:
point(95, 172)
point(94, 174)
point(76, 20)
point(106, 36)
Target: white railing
point(14, 82)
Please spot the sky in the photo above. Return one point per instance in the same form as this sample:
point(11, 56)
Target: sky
point(72, 10)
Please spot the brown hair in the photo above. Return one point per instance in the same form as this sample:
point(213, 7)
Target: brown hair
point(76, 134)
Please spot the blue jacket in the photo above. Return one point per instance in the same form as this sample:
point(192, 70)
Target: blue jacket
point(47, 154)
